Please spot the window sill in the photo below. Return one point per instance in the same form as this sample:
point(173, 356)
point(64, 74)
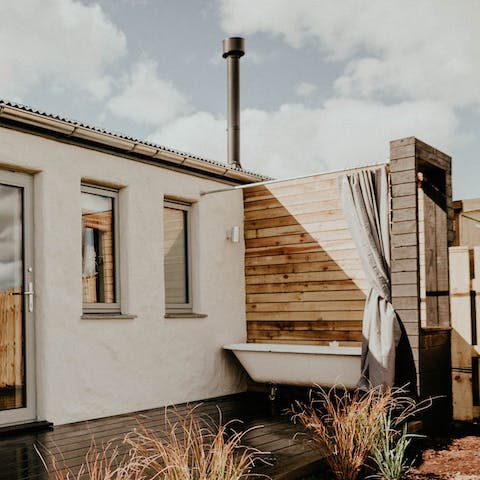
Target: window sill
point(185, 315)
point(108, 316)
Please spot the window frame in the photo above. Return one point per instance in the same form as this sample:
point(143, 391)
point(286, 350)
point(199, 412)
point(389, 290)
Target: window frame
point(186, 207)
point(101, 307)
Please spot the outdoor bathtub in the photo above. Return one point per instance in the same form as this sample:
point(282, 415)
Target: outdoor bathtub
point(303, 365)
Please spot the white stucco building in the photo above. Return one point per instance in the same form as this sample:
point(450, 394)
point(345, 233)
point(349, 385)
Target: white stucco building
point(136, 286)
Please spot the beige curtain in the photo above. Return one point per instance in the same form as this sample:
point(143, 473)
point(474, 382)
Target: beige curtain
point(364, 197)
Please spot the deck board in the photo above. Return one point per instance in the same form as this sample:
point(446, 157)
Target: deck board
point(269, 429)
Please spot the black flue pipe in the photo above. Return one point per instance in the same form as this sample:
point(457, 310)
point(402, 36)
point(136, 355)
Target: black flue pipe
point(233, 49)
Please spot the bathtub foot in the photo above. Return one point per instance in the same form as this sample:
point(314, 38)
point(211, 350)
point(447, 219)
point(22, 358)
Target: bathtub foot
point(273, 392)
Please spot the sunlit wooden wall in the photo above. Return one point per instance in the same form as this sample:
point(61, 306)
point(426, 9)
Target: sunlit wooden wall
point(304, 280)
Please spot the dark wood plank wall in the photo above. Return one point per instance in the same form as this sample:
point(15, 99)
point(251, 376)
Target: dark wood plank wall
point(404, 238)
point(304, 280)
point(422, 228)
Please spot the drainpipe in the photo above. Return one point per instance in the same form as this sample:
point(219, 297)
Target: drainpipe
point(233, 49)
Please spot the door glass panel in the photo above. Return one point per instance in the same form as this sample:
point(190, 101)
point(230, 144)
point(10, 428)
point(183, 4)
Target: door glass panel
point(12, 355)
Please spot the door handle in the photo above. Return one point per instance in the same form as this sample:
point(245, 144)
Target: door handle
point(30, 293)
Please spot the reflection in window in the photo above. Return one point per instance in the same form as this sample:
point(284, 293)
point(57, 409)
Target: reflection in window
point(12, 327)
point(175, 224)
point(98, 274)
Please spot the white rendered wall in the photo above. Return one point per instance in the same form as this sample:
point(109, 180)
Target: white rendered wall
point(93, 368)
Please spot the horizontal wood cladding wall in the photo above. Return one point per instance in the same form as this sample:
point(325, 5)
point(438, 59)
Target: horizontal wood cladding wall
point(304, 279)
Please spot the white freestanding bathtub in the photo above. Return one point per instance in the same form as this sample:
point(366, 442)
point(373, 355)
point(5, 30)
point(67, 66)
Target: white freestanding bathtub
point(303, 365)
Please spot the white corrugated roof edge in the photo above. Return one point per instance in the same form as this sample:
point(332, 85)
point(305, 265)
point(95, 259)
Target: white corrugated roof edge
point(80, 131)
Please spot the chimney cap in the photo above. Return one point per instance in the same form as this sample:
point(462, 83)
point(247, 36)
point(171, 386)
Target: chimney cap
point(233, 46)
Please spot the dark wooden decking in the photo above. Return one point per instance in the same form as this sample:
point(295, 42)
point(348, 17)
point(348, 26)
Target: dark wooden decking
point(290, 457)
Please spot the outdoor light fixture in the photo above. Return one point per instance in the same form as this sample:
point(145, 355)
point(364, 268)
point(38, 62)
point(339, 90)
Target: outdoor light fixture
point(233, 234)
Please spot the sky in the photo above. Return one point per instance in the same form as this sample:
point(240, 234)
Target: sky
point(325, 84)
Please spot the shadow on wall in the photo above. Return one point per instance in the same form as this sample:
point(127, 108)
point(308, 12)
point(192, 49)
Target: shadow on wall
point(304, 280)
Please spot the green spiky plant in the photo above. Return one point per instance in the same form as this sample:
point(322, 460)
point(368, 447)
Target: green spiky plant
point(389, 453)
point(346, 425)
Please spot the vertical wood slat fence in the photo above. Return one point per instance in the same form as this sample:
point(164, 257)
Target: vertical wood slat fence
point(11, 338)
point(465, 316)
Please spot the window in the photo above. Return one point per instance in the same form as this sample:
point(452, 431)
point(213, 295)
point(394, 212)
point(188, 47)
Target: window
point(99, 250)
point(176, 256)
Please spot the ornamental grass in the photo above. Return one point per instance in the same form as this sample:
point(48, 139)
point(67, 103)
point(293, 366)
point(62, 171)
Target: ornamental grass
point(101, 463)
point(389, 454)
point(189, 448)
point(192, 449)
point(346, 425)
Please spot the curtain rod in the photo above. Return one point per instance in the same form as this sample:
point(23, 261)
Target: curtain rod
point(300, 177)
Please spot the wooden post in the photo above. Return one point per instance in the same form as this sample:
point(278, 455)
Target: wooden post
point(404, 239)
point(422, 229)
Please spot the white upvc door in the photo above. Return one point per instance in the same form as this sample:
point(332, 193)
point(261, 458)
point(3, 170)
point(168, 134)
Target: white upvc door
point(17, 301)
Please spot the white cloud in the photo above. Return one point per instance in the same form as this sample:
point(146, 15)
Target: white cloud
point(304, 89)
point(345, 132)
point(280, 17)
point(146, 98)
point(10, 274)
point(63, 42)
point(423, 49)
point(200, 133)
point(296, 140)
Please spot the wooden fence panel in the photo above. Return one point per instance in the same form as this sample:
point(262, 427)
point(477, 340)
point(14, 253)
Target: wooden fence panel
point(304, 279)
point(11, 338)
point(464, 305)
